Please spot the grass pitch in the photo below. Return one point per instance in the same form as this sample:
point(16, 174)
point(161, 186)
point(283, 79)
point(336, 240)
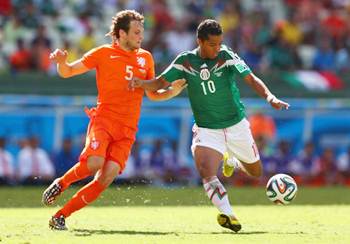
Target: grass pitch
point(145, 216)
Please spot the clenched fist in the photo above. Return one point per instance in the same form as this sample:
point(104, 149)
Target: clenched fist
point(59, 56)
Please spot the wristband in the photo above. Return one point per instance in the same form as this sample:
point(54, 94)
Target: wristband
point(270, 97)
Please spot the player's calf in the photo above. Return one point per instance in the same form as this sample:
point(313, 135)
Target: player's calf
point(253, 169)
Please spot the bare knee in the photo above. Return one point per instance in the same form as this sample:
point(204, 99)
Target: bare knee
point(94, 163)
point(108, 173)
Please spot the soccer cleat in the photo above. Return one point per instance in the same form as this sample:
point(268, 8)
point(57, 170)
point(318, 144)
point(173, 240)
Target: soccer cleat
point(58, 223)
point(227, 170)
point(229, 222)
point(51, 193)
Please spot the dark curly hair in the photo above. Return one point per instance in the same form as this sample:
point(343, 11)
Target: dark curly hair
point(121, 21)
point(208, 27)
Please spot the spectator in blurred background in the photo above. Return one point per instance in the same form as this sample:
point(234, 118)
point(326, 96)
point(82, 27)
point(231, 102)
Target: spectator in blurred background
point(281, 54)
point(13, 31)
point(324, 58)
point(325, 171)
point(266, 156)
point(334, 24)
point(65, 158)
point(262, 125)
point(141, 158)
point(88, 41)
point(73, 53)
point(247, 25)
point(7, 167)
point(157, 160)
point(21, 59)
point(282, 157)
point(343, 168)
point(303, 166)
point(34, 165)
point(342, 56)
point(173, 37)
point(40, 46)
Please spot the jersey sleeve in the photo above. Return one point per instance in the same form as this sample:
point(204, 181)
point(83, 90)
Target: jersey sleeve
point(151, 71)
point(238, 65)
point(175, 70)
point(91, 58)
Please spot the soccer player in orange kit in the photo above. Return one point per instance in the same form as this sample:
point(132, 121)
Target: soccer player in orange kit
point(113, 123)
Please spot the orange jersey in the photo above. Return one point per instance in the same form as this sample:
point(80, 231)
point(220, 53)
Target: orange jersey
point(114, 69)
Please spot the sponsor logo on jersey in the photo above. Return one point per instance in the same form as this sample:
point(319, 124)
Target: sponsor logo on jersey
point(114, 56)
point(143, 71)
point(204, 74)
point(141, 61)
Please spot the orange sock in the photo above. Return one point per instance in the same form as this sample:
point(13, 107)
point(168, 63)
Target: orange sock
point(83, 197)
point(77, 172)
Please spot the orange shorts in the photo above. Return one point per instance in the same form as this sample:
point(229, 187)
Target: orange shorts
point(108, 138)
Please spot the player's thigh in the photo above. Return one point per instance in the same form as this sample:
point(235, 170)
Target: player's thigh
point(207, 161)
point(241, 144)
point(97, 139)
point(119, 151)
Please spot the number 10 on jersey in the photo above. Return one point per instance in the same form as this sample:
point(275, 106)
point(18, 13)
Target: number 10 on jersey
point(210, 86)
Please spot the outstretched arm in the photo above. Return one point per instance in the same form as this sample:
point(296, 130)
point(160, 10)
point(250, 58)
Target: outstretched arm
point(261, 89)
point(65, 69)
point(148, 85)
point(168, 93)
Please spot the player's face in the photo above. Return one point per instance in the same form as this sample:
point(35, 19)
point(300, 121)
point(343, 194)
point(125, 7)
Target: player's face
point(134, 37)
point(210, 48)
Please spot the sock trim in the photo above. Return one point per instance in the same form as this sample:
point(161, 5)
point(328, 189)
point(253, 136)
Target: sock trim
point(220, 195)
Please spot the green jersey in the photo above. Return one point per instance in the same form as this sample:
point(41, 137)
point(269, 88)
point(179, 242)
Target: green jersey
point(212, 90)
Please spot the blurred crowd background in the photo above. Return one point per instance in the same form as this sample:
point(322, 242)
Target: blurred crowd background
point(272, 36)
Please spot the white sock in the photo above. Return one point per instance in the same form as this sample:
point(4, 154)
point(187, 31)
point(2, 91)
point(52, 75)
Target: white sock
point(218, 195)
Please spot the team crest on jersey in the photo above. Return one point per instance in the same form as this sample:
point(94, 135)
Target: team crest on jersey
point(204, 74)
point(141, 61)
point(94, 144)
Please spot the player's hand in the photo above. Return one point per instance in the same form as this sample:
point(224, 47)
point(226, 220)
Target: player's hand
point(135, 83)
point(178, 85)
point(59, 56)
point(279, 104)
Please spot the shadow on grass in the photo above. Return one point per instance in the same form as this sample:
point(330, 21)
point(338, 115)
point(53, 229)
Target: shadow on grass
point(266, 232)
point(87, 232)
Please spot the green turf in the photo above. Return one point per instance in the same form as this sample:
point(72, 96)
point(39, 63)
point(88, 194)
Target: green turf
point(197, 224)
point(178, 215)
point(153, 196)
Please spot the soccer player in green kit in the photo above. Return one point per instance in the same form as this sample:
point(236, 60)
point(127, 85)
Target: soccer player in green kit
point(209, 73)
